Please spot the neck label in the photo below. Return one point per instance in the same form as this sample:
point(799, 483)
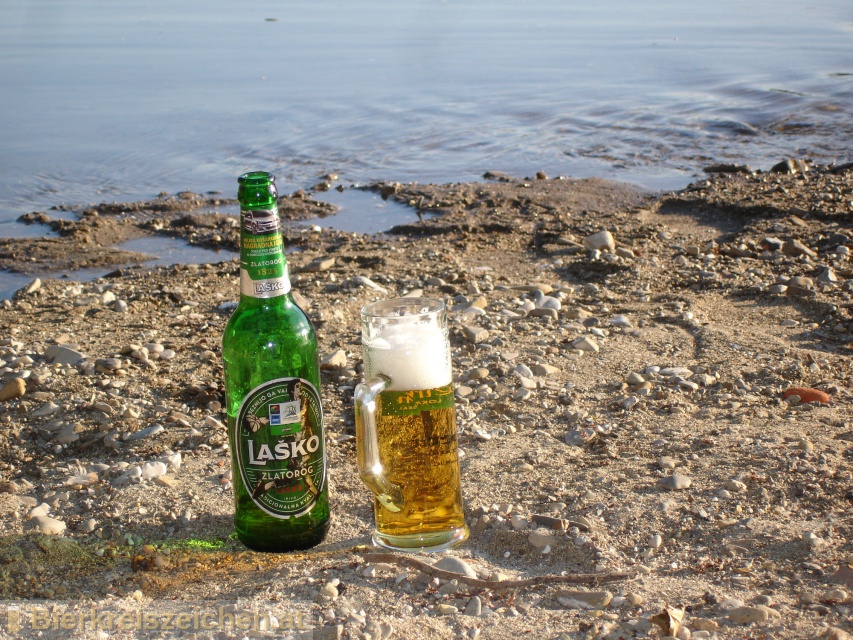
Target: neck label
point(263, 267)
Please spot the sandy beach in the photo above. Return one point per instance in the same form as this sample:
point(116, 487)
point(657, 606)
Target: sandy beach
point(653, 403)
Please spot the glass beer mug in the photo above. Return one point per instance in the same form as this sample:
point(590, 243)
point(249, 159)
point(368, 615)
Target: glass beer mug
point(406, 426)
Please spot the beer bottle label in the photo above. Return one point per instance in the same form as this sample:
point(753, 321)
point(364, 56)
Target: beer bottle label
point(280, 448)
point(409, 403)
point(263, 267)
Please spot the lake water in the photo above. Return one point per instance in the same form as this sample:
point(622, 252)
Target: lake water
point(103, 100)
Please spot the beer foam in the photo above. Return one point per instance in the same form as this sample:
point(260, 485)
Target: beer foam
point(414, 356)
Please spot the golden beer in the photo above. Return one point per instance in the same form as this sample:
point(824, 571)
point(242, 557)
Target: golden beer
point(406, 426)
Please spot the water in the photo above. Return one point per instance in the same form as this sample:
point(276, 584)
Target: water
point(105, 101)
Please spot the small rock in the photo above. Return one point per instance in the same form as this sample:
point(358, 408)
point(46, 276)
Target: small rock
point(834, 595)
point(544, 369)
point(675, 482)
point(543, 313)
point(621, 321)
point(46, 410)
point(601, 241)
point(540, 538)
point(47, 525)
point(456, 565)
point(147, 432)
point(335, 360)
point(67, 435)
point(634, 379)
point(32, 287)
point(705, 624)
point(827, 276)
point(475, 334)
point(367, 282)
point(89, 526)
point(474, 607)
point(585, 343)
point(735, 485)
point(58, 354)
point(584, 600)
point(151, 470)
point(790, 165)
point(795, 248)
point(667, 462)
point(15, 388)
point(8, 486)
point(322, 263)
point(752, 615)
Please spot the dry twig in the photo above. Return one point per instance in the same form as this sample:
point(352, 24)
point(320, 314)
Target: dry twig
point(573, 578)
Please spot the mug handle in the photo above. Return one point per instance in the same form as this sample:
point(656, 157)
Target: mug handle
point(370, 467)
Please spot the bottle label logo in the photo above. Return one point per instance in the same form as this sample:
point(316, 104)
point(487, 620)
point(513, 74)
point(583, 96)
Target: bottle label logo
point(280, 448)
point(263, 267)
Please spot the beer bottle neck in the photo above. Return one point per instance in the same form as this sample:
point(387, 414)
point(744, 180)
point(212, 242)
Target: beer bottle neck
point(264, 272)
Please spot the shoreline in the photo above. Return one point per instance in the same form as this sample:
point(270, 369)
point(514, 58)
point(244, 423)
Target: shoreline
point(642, 427)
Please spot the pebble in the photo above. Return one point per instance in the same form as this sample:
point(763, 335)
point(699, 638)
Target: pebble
point(544, 369)
point(15, 388)
point(544, 313)
point(795, 248)
point(39, 511)
point(734, 485)
point(475, 334)
point(812, 539)
point(540, 538)
point(601, 241)
point(322, 263)
point(705, 624)
point(834, 595)
point(634, 598)
point(456, 565)
point(675, 482)
point(584, 599)
point(89, 526)
point(151, 470)
point(335, 360)
point(47, 525)
point(752, 615)
point(147, 432)
point(621, 321)
point(667, 463)
point(46, 410)
point(585, 343)
point(474, 607)
point(367, 282)
point(634, 379)
point(67, 435)
point(59, 354)
point(545, 302)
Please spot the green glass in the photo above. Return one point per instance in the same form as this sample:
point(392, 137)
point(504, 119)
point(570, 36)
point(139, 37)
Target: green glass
point(272, 384)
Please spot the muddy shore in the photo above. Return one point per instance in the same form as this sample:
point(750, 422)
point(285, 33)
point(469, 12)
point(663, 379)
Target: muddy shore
point(679, 415)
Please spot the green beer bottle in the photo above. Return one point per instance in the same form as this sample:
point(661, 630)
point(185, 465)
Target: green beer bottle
point(272, 383)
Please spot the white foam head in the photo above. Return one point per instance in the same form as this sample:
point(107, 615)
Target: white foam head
point(414, 355)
